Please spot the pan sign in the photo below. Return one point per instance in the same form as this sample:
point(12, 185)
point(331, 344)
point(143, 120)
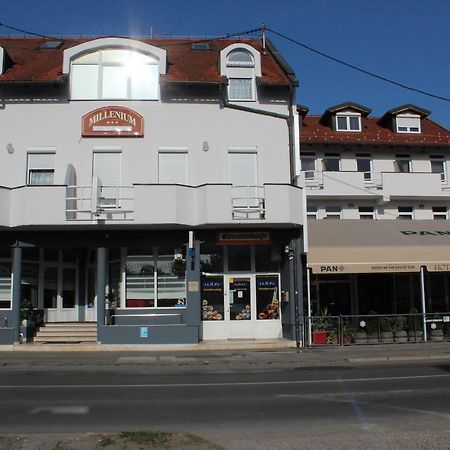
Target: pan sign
point(112, 121)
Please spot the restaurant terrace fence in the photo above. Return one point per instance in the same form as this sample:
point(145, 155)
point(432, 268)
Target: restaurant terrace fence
point(376, 329)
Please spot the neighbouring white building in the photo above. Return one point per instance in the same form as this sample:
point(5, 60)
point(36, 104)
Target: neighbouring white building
point(378, 202)
point(147, 190)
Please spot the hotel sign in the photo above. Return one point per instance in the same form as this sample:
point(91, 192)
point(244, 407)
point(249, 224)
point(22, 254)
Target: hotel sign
point(112, 121)
point(244, 237)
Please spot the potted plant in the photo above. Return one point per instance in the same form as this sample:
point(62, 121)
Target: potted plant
point(348, 332)
point(320, 325)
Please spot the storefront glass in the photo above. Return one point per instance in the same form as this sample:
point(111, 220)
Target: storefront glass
point(239, 258)
point(212, 294)
point(140, 285)
point(171, 280)
point(240, 298)
point(266, 258)
point(211, 258)
point(267, 297)
point(5, 284)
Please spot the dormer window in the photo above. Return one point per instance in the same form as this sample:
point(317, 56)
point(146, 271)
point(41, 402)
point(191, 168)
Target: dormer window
point(115, 74)
point(241, 76)
point(408, 123)
point(348, 122)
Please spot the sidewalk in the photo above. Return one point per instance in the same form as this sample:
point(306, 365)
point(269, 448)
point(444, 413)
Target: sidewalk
point(240, 355)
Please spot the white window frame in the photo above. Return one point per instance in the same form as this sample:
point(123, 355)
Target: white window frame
point(439, 215)
point(365, 157)
point(347, 116)
point(251, 98)
point(9, 261)
point(403, 123)
point(331, 156)
point(440, 158)
point(333, 212)
point(405, 215)
point(403, 157)
point(312, 212)
point(40, 151)
point(311, 156)
point(366, 215)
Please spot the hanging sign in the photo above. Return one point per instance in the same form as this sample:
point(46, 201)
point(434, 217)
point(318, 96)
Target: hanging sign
point(244, 237)
point(112, 121)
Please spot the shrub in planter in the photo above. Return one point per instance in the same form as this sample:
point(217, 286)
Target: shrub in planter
point(387, 335)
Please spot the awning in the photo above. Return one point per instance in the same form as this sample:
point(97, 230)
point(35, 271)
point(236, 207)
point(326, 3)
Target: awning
point(377, 246)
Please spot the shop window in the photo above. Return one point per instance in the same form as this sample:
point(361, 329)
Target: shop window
point(439, 212)
point(405, 213)
point(5, 285)
point(115, 74)
point(348, 122)
point(332, 162)
point(40, 169)
point(366, 212)
point(173, 167)
point(211, 258)
point(308, 162)
point(267, 297)
point(239, 258)
point(212, 294)
point(438, 165)
point(402, 163)
point(333, 212)
point(364, 165)
point(267, 258)
point(29, 284)
point(156, 280)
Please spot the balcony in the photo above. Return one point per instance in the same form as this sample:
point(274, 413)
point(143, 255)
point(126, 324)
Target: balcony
point(365, 185)
point(151, 205)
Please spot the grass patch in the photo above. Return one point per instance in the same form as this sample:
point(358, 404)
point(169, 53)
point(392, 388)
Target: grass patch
point(61, 446)
point(147, 437)
point(105, 441)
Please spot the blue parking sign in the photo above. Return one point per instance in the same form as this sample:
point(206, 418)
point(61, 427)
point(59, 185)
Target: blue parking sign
point(144, 332)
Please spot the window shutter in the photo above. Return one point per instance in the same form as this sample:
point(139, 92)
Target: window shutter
point(107, 168)
point(242, 168)
point(173, 168)
point(41, 161)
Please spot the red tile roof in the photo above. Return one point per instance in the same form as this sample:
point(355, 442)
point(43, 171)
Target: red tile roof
point(315, 132)
point(184, 64)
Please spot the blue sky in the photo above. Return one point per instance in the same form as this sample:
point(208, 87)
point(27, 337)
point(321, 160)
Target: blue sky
point(404, 40)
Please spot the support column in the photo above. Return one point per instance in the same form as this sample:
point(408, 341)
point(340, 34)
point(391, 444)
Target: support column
point(101, 287)
point(193, 314)
point(16, 291)
point(424, 308)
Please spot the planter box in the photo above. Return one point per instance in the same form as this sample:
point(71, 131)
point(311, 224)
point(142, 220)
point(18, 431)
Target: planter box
point(320, 337)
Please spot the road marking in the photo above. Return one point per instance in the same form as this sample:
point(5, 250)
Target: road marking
point(60, 410)
point(222, 384)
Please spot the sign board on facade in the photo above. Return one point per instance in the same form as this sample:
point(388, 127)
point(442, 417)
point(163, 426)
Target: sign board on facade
point(112, 121)
point(244, 237)
point(143, 332)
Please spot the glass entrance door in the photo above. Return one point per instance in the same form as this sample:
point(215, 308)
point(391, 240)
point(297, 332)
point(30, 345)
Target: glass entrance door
point(240, 306)
point(60, 293)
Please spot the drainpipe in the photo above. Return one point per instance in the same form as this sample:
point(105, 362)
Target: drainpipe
point(424, 308)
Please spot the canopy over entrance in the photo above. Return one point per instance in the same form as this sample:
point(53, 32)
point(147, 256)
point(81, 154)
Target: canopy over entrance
point(377, 246)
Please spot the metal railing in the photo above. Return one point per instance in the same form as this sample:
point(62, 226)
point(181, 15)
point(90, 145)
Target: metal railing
point(377, 329)
point(248, 202)
point(95, 201)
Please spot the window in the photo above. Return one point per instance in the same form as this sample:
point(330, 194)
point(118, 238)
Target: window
point(311, 212)
point(439, 212)
point(364, 164)
point(405, 213)
point(106, 167)
point(41, 168)
point(5, 285)
point(403, 163)
point(438, 166)
point(173, 167)
point(308, 162)
point(408, 123)
point(348, 122)
point(243, 176)
point(115, 74)
point(241, 75)
point(366, 212)
point(332, 162)
point(332, 212)
point(156, 281)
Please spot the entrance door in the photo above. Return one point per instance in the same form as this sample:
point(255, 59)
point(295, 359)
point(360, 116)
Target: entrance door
point(240, 306)
point(60, 293)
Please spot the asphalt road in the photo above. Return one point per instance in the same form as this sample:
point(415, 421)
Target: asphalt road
point(351, 406)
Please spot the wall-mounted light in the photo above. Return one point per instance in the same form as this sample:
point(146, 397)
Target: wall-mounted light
point(421, 206)
point(205, 146)
point(10, 148)
point(351, 205)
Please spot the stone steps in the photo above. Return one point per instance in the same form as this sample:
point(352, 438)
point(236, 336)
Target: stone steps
point(67, 332)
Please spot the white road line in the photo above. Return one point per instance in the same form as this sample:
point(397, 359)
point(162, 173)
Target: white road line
point(237, 383)
point(61, 410)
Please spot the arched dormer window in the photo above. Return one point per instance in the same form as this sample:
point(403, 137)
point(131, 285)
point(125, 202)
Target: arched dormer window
point(241, 64)
point(115, 74)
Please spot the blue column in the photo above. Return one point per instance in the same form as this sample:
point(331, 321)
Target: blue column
point(101, 287)
point(16, 291)
point(193, 285)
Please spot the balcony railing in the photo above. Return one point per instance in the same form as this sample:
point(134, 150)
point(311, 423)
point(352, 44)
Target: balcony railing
point(248, 202)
